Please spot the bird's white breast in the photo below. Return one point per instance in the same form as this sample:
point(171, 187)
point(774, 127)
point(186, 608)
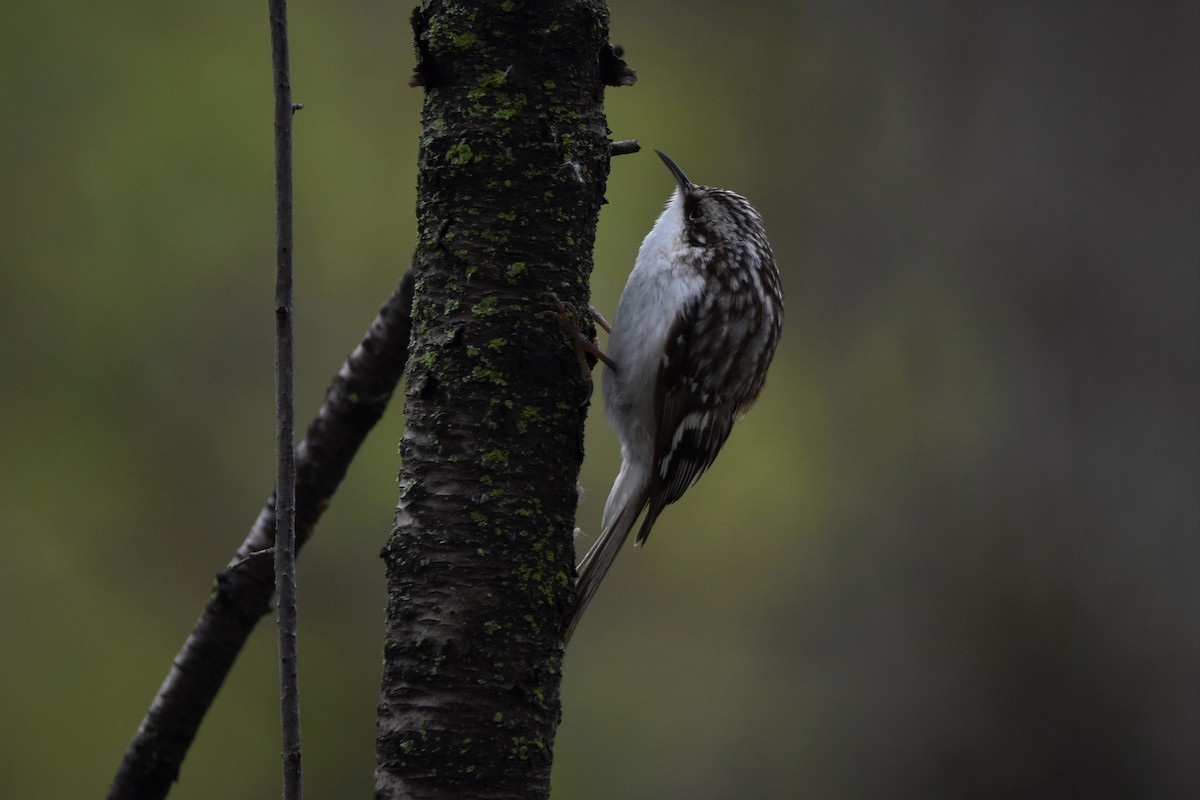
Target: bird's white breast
point(661, 285)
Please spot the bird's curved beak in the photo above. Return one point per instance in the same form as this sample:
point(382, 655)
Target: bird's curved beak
point(680, 178)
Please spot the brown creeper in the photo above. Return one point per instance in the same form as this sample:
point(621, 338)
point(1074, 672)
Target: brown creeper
point(695, 330)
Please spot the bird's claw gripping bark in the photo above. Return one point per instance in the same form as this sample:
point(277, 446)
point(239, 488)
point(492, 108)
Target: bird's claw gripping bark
point(568, 319)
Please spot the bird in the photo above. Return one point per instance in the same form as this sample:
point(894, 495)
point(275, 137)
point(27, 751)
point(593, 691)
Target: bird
point(695, 330)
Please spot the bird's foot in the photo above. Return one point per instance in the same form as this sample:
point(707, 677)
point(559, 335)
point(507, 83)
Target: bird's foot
point(569, 319)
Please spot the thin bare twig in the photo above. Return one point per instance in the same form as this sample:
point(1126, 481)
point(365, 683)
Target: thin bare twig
point(624, 147)
point(285, 418)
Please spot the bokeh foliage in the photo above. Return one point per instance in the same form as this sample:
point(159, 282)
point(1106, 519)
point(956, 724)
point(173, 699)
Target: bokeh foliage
point(953, 552)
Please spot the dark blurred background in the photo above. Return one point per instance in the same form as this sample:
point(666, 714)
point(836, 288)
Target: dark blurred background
point(953, 552)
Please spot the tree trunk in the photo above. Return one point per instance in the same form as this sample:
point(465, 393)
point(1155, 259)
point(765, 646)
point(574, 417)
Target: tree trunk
point(514, 157)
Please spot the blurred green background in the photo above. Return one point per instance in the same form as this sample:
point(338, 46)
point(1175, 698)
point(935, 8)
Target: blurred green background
point(953, 552)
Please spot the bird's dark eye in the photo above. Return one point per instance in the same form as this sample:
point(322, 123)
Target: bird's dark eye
point(696, 213)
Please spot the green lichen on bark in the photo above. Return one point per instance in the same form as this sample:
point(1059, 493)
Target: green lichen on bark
point(514, 158)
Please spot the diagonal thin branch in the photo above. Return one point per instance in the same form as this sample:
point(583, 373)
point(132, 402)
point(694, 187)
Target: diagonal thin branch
point(354, 402)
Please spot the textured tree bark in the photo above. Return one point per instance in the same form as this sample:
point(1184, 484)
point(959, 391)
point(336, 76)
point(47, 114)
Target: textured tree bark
point(514, 157)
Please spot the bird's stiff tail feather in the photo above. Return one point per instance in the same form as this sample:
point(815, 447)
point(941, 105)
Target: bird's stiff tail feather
point(625, 502)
